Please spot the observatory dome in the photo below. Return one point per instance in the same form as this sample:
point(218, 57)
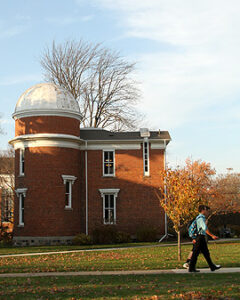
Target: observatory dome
point(46, 99)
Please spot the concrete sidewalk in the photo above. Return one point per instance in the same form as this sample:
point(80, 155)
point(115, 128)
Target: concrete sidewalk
point(132, 272)
point(110, 249)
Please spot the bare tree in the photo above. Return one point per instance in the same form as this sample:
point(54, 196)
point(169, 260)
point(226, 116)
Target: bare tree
point(100, 79)
point(7, 185)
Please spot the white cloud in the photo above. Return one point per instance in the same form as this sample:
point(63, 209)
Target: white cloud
point(69, 20)
point(12, 80)
point(201, 68)
point(6, 121)
point(14, 26)
point(11, 31)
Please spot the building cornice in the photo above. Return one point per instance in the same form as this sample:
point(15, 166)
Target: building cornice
point(47, 112)
point(46, 140)
point(121, 144)
point(71, 141)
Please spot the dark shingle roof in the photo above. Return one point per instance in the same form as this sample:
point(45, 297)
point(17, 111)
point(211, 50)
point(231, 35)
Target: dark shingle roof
point(96, 134)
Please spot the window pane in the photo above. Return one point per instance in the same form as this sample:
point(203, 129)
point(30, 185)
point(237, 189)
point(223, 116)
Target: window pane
point(106, 215)
point(66, 199)
point(105, 168)
point(67, 187)
point(105, 156)
point(110, 156)
point(111, 217)
point(22, 161)
point(106, 201)
point(111, 201)
point(108, 162)
point(110, 169)
point(22, 208)
point(22, 202)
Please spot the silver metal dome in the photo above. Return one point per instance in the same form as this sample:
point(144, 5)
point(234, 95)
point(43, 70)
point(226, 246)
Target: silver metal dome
point(46, 99)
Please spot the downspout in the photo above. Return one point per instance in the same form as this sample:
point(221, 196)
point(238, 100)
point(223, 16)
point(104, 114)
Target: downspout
point(86, 187)
point(165, 187)
point(165, 191)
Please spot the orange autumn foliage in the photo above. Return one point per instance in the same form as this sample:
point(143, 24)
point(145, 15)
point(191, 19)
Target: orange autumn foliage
point(225, 196)
point(183, 191)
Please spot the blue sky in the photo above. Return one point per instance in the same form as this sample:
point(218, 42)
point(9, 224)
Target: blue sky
point(187, 55)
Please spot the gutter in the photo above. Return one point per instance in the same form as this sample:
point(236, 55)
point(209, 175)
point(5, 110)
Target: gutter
point(86, 186)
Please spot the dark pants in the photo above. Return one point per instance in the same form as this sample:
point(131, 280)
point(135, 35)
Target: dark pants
point(200, 246)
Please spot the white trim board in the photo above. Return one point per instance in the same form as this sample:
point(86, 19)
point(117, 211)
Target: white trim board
point(157, 145)
point(46, 140)
point(49, 112)
point(109, 191)
point(114, 146)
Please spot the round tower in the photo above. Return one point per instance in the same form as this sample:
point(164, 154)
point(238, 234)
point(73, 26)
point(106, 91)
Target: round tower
point(47, 166)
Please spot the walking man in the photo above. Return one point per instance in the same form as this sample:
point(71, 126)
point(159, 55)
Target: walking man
point(200, 243)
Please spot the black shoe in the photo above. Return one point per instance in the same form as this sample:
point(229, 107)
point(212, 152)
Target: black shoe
point(193, 271)
point(216, 267)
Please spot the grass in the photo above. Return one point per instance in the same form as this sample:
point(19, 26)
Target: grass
point(59, 248)
point(164, 286)
point(37, 249)
point(125, 259)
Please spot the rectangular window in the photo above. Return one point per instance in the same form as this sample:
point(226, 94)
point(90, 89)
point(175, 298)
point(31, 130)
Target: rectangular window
point(146, 158)
point(7, 209)
point(22, 162)
point(68, 194)
point(108, 163)
point(68, 181)
point(109, 209)
point(21, 209)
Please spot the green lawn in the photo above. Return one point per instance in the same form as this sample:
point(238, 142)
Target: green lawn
point(37, 249)
point(164, 286)
point(125, 259)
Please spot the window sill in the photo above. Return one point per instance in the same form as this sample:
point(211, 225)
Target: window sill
point(68, 208)
point(20, 226)
point(22, 175)
point(108, 176)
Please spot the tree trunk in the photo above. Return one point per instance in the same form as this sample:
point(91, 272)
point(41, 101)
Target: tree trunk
point(179, 245)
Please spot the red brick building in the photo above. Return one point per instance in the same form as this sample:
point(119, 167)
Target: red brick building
point(70, 179)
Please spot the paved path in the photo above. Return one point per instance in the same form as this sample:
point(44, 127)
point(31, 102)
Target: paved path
point(133, 272)
point(109, 249)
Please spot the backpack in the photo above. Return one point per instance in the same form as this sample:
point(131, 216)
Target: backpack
point(192, 228)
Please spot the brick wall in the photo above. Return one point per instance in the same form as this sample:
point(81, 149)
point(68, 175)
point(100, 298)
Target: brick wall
point(47, 124)
point(45, 213)
point(0, 204)
point(136, 203)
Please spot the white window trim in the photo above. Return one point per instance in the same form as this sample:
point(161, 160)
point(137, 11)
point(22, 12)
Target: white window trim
point(113, 192)
point(70, 179)
point(145, 140)
point(21, 192)
point(21, 210)
point(21, 154)
point(109, 150)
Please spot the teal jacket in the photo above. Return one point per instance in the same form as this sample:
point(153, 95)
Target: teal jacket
point(201, 224)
